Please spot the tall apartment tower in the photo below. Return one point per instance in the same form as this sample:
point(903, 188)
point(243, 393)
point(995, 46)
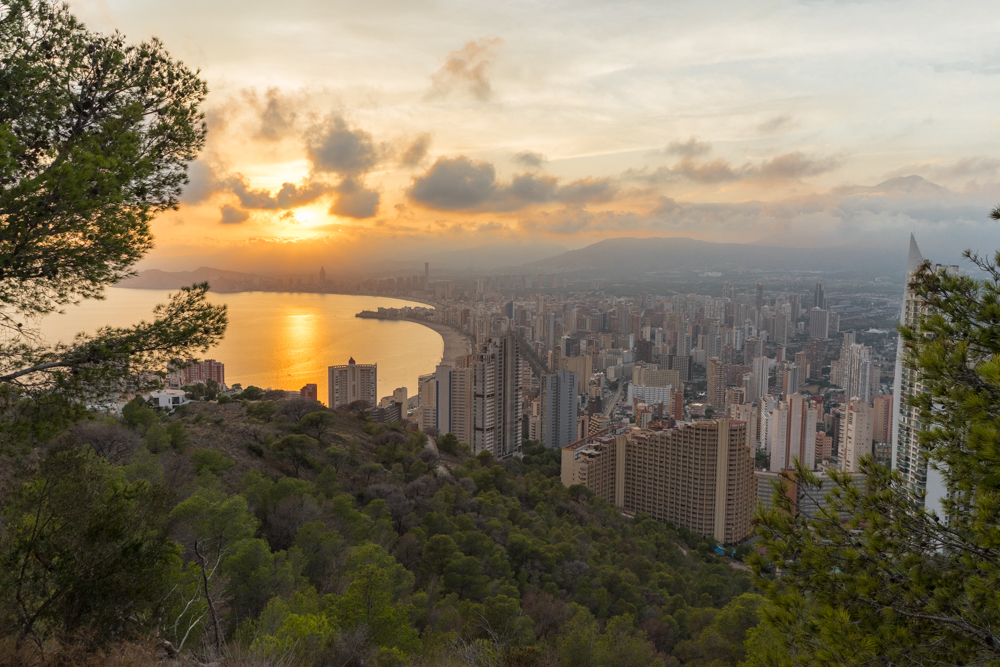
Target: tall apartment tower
point(698, 475)
point(452, 402)
point(559, 409)
point(857, 440)
point(759, 301)
point(427, 274)
point(353, 382)
point(882, 415)
point(715, 371)
point(793, 433)
point(857, 370)
point(496, 397)
point(819, 297)
point(759, 385)
point(819, 323)
point(908, 457)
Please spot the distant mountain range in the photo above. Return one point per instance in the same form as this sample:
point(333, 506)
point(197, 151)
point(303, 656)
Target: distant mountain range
point(220, 279)
point(636, 257)
point(618, 258)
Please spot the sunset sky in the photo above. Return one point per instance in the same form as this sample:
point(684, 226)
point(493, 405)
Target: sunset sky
point(342, 132)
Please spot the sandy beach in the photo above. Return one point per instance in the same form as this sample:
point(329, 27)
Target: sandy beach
point(455, 344)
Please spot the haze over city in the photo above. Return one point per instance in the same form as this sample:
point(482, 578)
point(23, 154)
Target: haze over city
point(359, 134)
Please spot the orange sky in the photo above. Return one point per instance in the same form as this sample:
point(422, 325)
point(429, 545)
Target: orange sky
point(349, 132)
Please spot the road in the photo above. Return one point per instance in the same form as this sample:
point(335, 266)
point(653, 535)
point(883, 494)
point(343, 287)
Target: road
point(613, 402)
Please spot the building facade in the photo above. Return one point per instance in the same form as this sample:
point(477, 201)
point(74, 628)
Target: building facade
point(698, 475)
point(559, 409)
point(353, 382)
point(908, 457)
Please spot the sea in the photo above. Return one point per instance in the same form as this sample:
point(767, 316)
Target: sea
point(282, 340)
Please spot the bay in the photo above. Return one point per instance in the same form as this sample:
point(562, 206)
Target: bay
point(283, 340)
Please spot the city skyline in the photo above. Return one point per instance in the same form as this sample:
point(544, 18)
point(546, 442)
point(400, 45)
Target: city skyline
point(439, 129)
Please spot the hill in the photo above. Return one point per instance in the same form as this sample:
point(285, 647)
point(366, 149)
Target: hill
point(638, 257)
point(285, 532)
point(220, 279)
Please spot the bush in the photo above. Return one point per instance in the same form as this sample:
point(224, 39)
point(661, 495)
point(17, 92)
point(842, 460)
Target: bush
point(209, 460)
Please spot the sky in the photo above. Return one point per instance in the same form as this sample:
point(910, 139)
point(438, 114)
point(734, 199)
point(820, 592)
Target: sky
point(358, 134)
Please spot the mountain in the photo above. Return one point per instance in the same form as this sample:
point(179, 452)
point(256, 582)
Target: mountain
point(221, 280)
point(635, 257)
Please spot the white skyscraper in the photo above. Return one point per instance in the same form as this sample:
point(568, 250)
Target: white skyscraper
point(353, 382)
point(908, 457)
point(759, 385)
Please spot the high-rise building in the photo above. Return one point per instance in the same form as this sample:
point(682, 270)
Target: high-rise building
point(759, 301)
point(559, 409)
point(452, 401)
point(353, 382)
point(790, 379)
point(496, 397)
point(908, 457)
point(698, 475)
point(882, 418)
point(715, 372)
point(819, 323)
point(857, 441)
point(759, 384)
point(752, 348)
point(819, 297)
point(309, 392)
point(652, 377)
point(802, 361)
point(792, 434)
point(814, 349)
point(857, 371)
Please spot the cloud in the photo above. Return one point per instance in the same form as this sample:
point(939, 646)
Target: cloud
point(232, 215)
point(277, 117)
point(355, 200)
point(776, 124)
point(693, 147)
point(415, 153)
point(530, 159)
point(334, 147)
point(975, 168)
point(461, 184)
point(788, 167)
point(453, 184)
point(467, 70)
point(202, 183)
point(289, 196)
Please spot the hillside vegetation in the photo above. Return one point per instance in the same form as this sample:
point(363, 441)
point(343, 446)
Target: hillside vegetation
point(286, 533)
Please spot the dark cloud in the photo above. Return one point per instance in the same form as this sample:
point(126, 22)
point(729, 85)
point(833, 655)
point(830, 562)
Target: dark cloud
point(415, 153)
point(777, 124)
point(334, 147)
point(693, 147)
point(232, 215)
point(467, 70)
point(453, 184)
point(461, 184)
point(277, 116)
point(289, 196)
point(355, 200)
point(530, 159)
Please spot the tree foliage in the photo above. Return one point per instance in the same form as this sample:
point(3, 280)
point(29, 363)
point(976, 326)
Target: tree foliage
point(898, 583)
point(95, 136)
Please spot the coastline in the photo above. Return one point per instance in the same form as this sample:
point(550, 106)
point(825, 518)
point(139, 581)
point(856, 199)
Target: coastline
point(455, 343)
